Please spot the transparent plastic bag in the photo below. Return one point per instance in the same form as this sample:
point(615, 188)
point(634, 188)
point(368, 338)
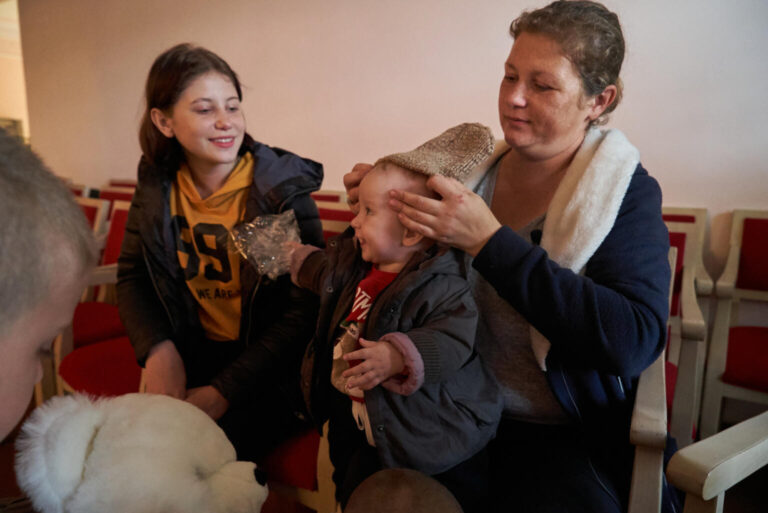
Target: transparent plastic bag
point(262, 242)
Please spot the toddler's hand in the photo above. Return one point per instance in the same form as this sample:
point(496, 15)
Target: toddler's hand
point(352, 183)
point(298, 252)
point(379, 362)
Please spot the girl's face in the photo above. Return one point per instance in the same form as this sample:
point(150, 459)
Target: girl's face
point(542, 106)
point(207, 121)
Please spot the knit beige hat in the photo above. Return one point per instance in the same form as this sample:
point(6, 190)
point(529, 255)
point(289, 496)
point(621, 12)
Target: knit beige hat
point(454, 153)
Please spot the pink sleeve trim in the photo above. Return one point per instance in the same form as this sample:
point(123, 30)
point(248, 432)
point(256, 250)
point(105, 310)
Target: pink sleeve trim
point(413, 373)
point(297, 260)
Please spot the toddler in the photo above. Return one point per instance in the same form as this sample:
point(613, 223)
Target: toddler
point(392, 363)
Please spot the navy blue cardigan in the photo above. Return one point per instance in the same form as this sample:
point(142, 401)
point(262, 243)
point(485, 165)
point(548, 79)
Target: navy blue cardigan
point(605, 326)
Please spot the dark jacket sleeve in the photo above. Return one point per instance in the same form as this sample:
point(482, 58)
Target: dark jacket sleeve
point(311, 274)
point(310, 227)
point(445, 326)
point(612, 318)
point(274, 353)
point(141, 311)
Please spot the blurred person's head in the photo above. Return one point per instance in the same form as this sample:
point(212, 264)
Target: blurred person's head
point(46, 249)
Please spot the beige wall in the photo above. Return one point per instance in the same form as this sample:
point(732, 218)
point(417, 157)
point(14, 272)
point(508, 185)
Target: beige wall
point(13, 95)
point(343, 81)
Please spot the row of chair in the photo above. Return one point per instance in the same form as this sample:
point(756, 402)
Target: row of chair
point(732, 361)
point(113, 184)
point(683, 367)
point(692, 378)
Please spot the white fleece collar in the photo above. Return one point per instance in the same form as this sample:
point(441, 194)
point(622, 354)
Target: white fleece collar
point(585, 205)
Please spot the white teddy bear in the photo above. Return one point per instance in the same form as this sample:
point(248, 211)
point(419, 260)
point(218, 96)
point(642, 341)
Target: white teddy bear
point(136, 453)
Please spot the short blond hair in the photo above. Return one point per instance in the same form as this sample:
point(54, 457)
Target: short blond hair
point(42, 228)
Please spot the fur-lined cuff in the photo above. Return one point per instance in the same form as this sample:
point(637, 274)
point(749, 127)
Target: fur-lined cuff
point(413, 372)
point(297, 260)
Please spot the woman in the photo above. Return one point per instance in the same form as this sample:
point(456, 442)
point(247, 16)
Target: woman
point(570, 254)
point(204, 325)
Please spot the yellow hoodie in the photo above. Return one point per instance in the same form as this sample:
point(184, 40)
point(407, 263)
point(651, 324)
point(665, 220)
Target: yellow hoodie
point(211, 267)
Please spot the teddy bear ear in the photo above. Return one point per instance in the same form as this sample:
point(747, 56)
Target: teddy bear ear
point(52, 449)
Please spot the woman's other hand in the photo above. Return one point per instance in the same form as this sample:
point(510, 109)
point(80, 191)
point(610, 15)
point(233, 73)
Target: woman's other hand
point(209, 400)
point(164, 371)
point(460, 219)
point(379, 361)
point(352, 182)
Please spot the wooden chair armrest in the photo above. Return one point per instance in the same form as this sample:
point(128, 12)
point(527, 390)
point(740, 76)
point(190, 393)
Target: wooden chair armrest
point(727, 281)
point(704, 283)
point(751, 295)
point(710, 467)
point(103, 275)
point(649, 417)
point(101, 240)
point(693, 326)
point(63, 344)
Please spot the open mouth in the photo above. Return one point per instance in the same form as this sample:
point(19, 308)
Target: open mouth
point(223, 142)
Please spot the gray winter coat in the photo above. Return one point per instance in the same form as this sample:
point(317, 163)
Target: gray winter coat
point(456, 411)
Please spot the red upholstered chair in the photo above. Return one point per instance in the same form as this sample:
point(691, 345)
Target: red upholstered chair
point(737, 363)
point(705, 470)
point(78, 189)
point(648, 429)
point(107, 368)
point(334, 216)
point(330, 196)
point(96, 211)
point(686, 348)
point(116, 194)
point(122, 182)
point(301, 470)
point(698, 218)
point(93, 354)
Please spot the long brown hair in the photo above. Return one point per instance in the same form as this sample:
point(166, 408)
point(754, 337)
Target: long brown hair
point(169, 76)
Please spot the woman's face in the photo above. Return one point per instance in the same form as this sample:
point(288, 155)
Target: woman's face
point(542, 107)
point(207, 121)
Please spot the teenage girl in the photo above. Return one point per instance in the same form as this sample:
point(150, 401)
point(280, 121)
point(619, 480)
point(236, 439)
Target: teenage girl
point(204, 325)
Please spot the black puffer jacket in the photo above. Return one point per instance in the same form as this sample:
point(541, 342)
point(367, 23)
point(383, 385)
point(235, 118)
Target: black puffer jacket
point(277, 318)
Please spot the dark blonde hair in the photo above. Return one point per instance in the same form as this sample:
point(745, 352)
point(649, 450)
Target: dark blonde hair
point(590, 36)
point(169, 76)
point(43, 236)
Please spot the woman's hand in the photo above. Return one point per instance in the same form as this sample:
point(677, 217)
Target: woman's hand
point(379, 362)
point(164, 371)
point(460, 219)
point(352, 182)
point(209, 400)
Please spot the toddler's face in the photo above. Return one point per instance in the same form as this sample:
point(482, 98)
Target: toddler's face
point(377, 228)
